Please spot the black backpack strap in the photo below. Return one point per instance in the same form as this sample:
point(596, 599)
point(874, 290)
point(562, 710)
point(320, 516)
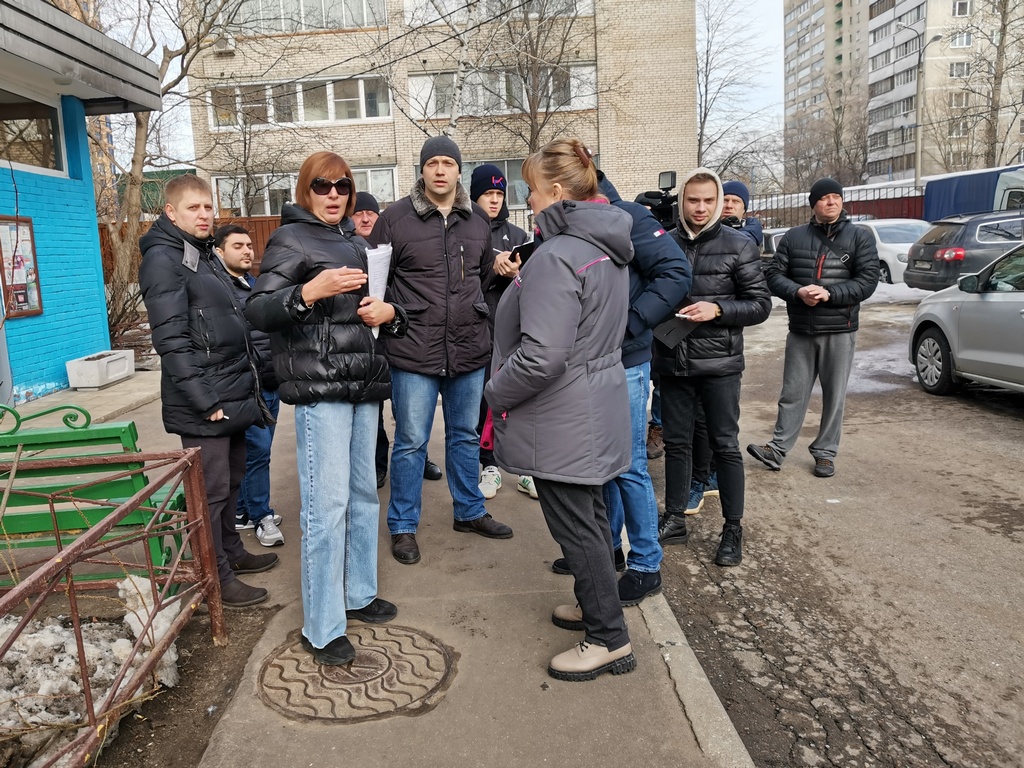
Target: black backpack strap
point(830, 244)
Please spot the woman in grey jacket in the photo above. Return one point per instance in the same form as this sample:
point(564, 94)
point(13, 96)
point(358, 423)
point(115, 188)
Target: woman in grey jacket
point(558, 389)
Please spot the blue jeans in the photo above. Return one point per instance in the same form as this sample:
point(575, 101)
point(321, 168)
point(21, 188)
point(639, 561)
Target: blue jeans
point(656, 405)
point(630, 497)
point(414, 400)
point(335, 445)
point(254, 496)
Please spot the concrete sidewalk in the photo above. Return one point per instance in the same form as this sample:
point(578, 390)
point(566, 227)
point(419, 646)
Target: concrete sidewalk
point(488, 604)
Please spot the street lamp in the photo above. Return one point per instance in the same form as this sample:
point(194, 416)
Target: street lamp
point(919, 105)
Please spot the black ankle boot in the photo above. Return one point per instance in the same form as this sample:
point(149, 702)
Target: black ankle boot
point(673, 530)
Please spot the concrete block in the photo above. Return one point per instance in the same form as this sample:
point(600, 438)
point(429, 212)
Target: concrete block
point(101, 369)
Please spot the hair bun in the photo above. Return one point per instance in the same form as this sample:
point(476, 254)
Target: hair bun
point(583, 154)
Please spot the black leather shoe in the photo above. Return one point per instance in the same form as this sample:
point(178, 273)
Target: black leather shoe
point(255, 563)
point(235, 594)
point(485, 526)
point(336, 653)
point(377, 612)
point(730, 549)
point(673, 530)
point(634, 586)
point(381, 478)
point(561, 565)
point(431, 471)
point(404, 549)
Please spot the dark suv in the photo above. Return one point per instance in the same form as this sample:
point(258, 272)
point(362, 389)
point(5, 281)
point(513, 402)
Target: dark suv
point(961, 245)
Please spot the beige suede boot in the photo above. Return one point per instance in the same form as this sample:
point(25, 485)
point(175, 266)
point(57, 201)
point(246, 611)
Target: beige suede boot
point(585, 661)
point(568, 617)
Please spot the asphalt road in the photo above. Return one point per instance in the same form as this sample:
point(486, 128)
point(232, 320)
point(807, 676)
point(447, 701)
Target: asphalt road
point(876, 618)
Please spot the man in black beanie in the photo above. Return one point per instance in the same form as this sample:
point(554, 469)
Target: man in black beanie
point(441, 246)
point(823, 270)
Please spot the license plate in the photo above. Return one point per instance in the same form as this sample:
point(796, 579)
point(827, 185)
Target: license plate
point(925, 265)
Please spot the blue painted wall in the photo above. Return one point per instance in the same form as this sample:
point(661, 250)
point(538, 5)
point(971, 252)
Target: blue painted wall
point(63, 212)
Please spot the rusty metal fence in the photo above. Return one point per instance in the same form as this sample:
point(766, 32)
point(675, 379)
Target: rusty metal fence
point(179, 581)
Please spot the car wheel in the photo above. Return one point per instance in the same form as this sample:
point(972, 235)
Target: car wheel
point(884, 273)
point(933, 362)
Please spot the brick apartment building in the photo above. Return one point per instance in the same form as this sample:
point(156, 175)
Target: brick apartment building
point(371, 79)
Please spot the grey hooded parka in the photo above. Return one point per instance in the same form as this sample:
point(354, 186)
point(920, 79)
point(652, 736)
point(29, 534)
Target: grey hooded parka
point(558, 389)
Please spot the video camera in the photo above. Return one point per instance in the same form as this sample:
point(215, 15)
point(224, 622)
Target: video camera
point(663, 205)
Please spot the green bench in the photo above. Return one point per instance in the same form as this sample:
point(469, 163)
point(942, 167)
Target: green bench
point(41, 505)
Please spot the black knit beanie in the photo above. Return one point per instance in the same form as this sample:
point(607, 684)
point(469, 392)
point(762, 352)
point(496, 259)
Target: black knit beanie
point(485, 178)
point(823, 187)
point(440, 146)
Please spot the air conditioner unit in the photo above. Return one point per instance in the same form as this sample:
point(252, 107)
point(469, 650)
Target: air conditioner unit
point(225, 44)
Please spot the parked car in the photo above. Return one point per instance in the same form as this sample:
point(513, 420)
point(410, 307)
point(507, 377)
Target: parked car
point(893, 238)
point(973, 331)
point(961, 245)
point(771, 243)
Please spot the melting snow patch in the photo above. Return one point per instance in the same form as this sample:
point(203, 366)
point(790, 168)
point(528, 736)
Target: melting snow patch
point(41, 698)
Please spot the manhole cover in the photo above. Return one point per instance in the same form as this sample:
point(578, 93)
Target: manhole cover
point(397, 671)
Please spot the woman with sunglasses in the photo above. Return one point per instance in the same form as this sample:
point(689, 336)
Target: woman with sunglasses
point(311, 296)
point(558, 389)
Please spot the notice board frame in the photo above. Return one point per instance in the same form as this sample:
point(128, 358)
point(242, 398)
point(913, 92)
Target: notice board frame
point(19, 278)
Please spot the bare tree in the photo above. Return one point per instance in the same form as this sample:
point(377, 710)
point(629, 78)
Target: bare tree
point(172, 34)
point(730, 134)
point(987, 67)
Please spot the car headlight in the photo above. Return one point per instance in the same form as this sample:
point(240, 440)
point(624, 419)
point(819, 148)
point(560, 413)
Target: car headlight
point(901, 257)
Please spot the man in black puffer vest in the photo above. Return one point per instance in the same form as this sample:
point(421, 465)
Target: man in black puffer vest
point(823, 270)
point(208, 384)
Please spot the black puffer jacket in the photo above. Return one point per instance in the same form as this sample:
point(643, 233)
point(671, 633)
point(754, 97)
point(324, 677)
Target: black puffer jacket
point(726, 271)
point(327, 352)
point(200, 334)
point(802, 259)
point(242, 286)
point(504, 237)
point(436, 267)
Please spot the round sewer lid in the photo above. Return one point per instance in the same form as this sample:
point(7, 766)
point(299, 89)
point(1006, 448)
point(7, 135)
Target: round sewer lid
point(397, 671)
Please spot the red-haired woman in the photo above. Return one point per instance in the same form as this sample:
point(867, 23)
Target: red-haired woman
point(311, 296)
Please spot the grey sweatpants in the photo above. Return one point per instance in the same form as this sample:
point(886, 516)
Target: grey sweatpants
point(827, 357)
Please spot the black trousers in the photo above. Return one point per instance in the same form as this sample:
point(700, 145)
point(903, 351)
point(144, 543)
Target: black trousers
point(681, 397)
point(578, 522)
point(223, 469)
point(383, 444)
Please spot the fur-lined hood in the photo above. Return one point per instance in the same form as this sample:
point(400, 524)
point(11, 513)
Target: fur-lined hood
point(424, 206)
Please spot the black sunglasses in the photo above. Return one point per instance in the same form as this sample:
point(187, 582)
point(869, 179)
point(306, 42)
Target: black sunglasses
point(323, 186)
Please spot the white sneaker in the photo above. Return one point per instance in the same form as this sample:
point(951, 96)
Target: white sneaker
point(490, 482)
point(268, 533)
point(526, 485)
point(243, 523)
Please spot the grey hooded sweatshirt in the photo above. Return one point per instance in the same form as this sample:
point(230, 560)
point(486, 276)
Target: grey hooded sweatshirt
point(558, 389)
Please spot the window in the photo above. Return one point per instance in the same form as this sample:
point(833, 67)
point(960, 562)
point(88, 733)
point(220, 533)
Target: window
point(958, 129)
point(30, 132)
point(878, 61)
point(907, 48)
point(307, 102)
point(877, 140)
point(959, 100)
point(496, 92)
point(961, 7)
point(273, 16)
point(960, 69)
point(285, 103)
point(903, 106)
point(906, 76)
point(912, 16)
point(1008, 230)
point(962, 40)
point(881, 33)
point(880, 87)
point(880, 7)
point(958, 158)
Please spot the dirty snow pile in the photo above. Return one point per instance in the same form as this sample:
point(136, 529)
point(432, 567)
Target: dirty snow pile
point(40, 678)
